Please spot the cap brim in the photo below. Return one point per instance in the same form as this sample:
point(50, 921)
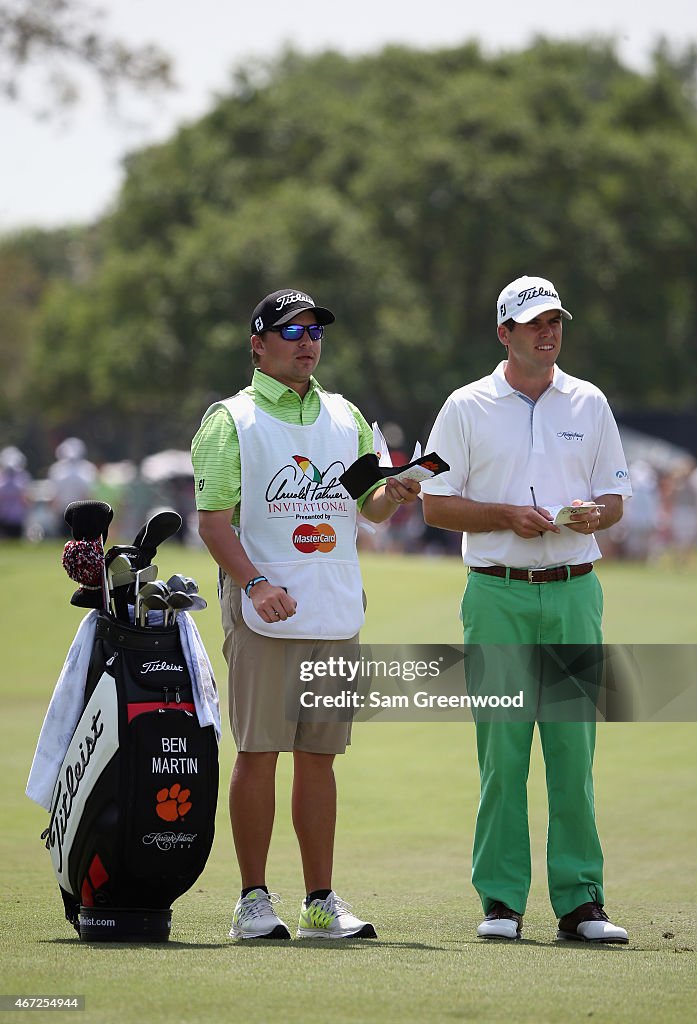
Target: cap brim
point(323, 316)
point(532, 311)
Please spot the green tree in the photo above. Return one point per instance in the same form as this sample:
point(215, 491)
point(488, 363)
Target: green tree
point(59, 36)
point(404, 189)
point(31, 261)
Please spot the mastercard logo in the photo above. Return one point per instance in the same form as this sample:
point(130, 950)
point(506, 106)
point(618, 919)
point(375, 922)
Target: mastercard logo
point(309, 538)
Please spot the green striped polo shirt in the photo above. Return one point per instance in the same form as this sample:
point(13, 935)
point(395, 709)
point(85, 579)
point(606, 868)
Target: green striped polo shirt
point(215, 449)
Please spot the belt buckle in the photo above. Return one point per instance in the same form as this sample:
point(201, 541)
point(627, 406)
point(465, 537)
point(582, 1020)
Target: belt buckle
point(531, 579)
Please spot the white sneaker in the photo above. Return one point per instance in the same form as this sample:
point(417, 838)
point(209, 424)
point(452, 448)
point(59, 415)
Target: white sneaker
point(331, 919)
point(255, 918)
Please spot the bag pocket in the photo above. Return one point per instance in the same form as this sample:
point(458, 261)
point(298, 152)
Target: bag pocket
point(171, 795)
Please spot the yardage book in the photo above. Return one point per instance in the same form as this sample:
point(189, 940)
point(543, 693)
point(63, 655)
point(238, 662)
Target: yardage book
point(366, 471)
point(562, 513)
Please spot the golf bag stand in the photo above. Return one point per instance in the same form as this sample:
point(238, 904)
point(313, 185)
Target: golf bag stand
point(133, 808)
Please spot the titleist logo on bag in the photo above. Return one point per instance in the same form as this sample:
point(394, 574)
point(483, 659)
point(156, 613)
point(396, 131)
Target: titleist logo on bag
point(93, 745)
point(160, 666)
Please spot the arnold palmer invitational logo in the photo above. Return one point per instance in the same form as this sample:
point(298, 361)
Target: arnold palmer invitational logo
point(302, 489)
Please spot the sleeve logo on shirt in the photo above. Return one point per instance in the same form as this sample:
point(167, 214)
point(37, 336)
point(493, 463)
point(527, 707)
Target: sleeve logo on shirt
point(201, 483)
point(622, 474)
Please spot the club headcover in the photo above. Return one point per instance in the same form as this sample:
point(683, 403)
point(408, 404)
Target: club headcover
point(157, 529)
point(89, 520)
point(83, 560)
point(87, 597)
point(129, 550)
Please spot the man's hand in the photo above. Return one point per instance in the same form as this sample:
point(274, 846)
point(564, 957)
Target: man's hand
point(528, 522)
point(586, 519)
point(272, 604)
point(402, 492)
point(384, 501)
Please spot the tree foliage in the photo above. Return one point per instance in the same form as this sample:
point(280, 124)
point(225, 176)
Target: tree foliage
point(32, 262)
point(59, 36)
point(402, 189)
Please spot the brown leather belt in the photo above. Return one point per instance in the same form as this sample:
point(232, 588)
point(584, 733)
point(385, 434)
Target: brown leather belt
point(555, 575)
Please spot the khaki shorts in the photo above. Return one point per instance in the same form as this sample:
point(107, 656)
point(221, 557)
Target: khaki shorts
point(264, 687)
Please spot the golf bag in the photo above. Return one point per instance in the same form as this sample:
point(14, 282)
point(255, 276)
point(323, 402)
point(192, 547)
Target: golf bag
point(133, 808)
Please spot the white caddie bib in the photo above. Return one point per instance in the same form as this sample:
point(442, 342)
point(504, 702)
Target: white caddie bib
point(297, 521)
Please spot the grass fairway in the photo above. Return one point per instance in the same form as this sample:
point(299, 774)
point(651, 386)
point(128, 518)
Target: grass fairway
point(408, 795)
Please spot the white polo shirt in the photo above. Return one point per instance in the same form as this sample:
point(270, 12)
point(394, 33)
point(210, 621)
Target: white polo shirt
point(500, 443)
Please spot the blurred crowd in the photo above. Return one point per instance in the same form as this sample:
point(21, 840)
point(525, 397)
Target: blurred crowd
point(33, 508)
point(660, 519)
point(659, 522)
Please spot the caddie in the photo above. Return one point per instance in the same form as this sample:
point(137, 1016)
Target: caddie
point(282, 529)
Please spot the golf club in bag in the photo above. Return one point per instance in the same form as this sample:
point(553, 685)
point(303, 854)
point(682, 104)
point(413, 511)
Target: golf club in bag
point(133, 807)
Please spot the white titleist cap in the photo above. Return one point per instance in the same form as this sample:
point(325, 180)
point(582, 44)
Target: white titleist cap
point(525, 298)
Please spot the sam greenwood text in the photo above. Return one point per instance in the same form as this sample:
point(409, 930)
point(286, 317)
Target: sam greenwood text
point(394, 672)
point(420, 699)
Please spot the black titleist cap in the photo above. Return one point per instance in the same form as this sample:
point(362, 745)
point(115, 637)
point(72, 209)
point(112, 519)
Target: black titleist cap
point(281, 306)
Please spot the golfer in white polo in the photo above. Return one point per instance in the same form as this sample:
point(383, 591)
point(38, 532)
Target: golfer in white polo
point(519, 442)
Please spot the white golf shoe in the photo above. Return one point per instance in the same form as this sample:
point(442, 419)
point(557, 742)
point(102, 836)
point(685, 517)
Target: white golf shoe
point(590, 923)
point(255, 918)
point(501, 923)
point(331, 918)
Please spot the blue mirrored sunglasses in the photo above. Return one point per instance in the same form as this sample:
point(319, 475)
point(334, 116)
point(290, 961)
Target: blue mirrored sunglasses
point(294, 332)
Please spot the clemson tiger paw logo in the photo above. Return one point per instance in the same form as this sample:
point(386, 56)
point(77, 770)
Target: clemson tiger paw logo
point(173, 803)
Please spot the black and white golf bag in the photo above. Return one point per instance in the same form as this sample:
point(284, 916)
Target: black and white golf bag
point(133, 808)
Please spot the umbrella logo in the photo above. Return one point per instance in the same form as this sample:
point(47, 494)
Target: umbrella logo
point(308, 468)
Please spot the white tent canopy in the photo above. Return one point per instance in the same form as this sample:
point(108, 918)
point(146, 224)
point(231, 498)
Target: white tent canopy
point(166, 465)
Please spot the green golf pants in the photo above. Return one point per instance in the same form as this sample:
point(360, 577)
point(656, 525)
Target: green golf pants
point(499, 613)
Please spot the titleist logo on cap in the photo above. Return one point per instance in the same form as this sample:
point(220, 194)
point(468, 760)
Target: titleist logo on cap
point(533, 293)
point(289, 297)
point(526, 297)
point(281, 306)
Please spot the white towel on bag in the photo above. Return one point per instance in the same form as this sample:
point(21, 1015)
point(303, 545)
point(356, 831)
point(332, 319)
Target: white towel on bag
point(68, 701)
point(63, 714)
point(201, 672)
